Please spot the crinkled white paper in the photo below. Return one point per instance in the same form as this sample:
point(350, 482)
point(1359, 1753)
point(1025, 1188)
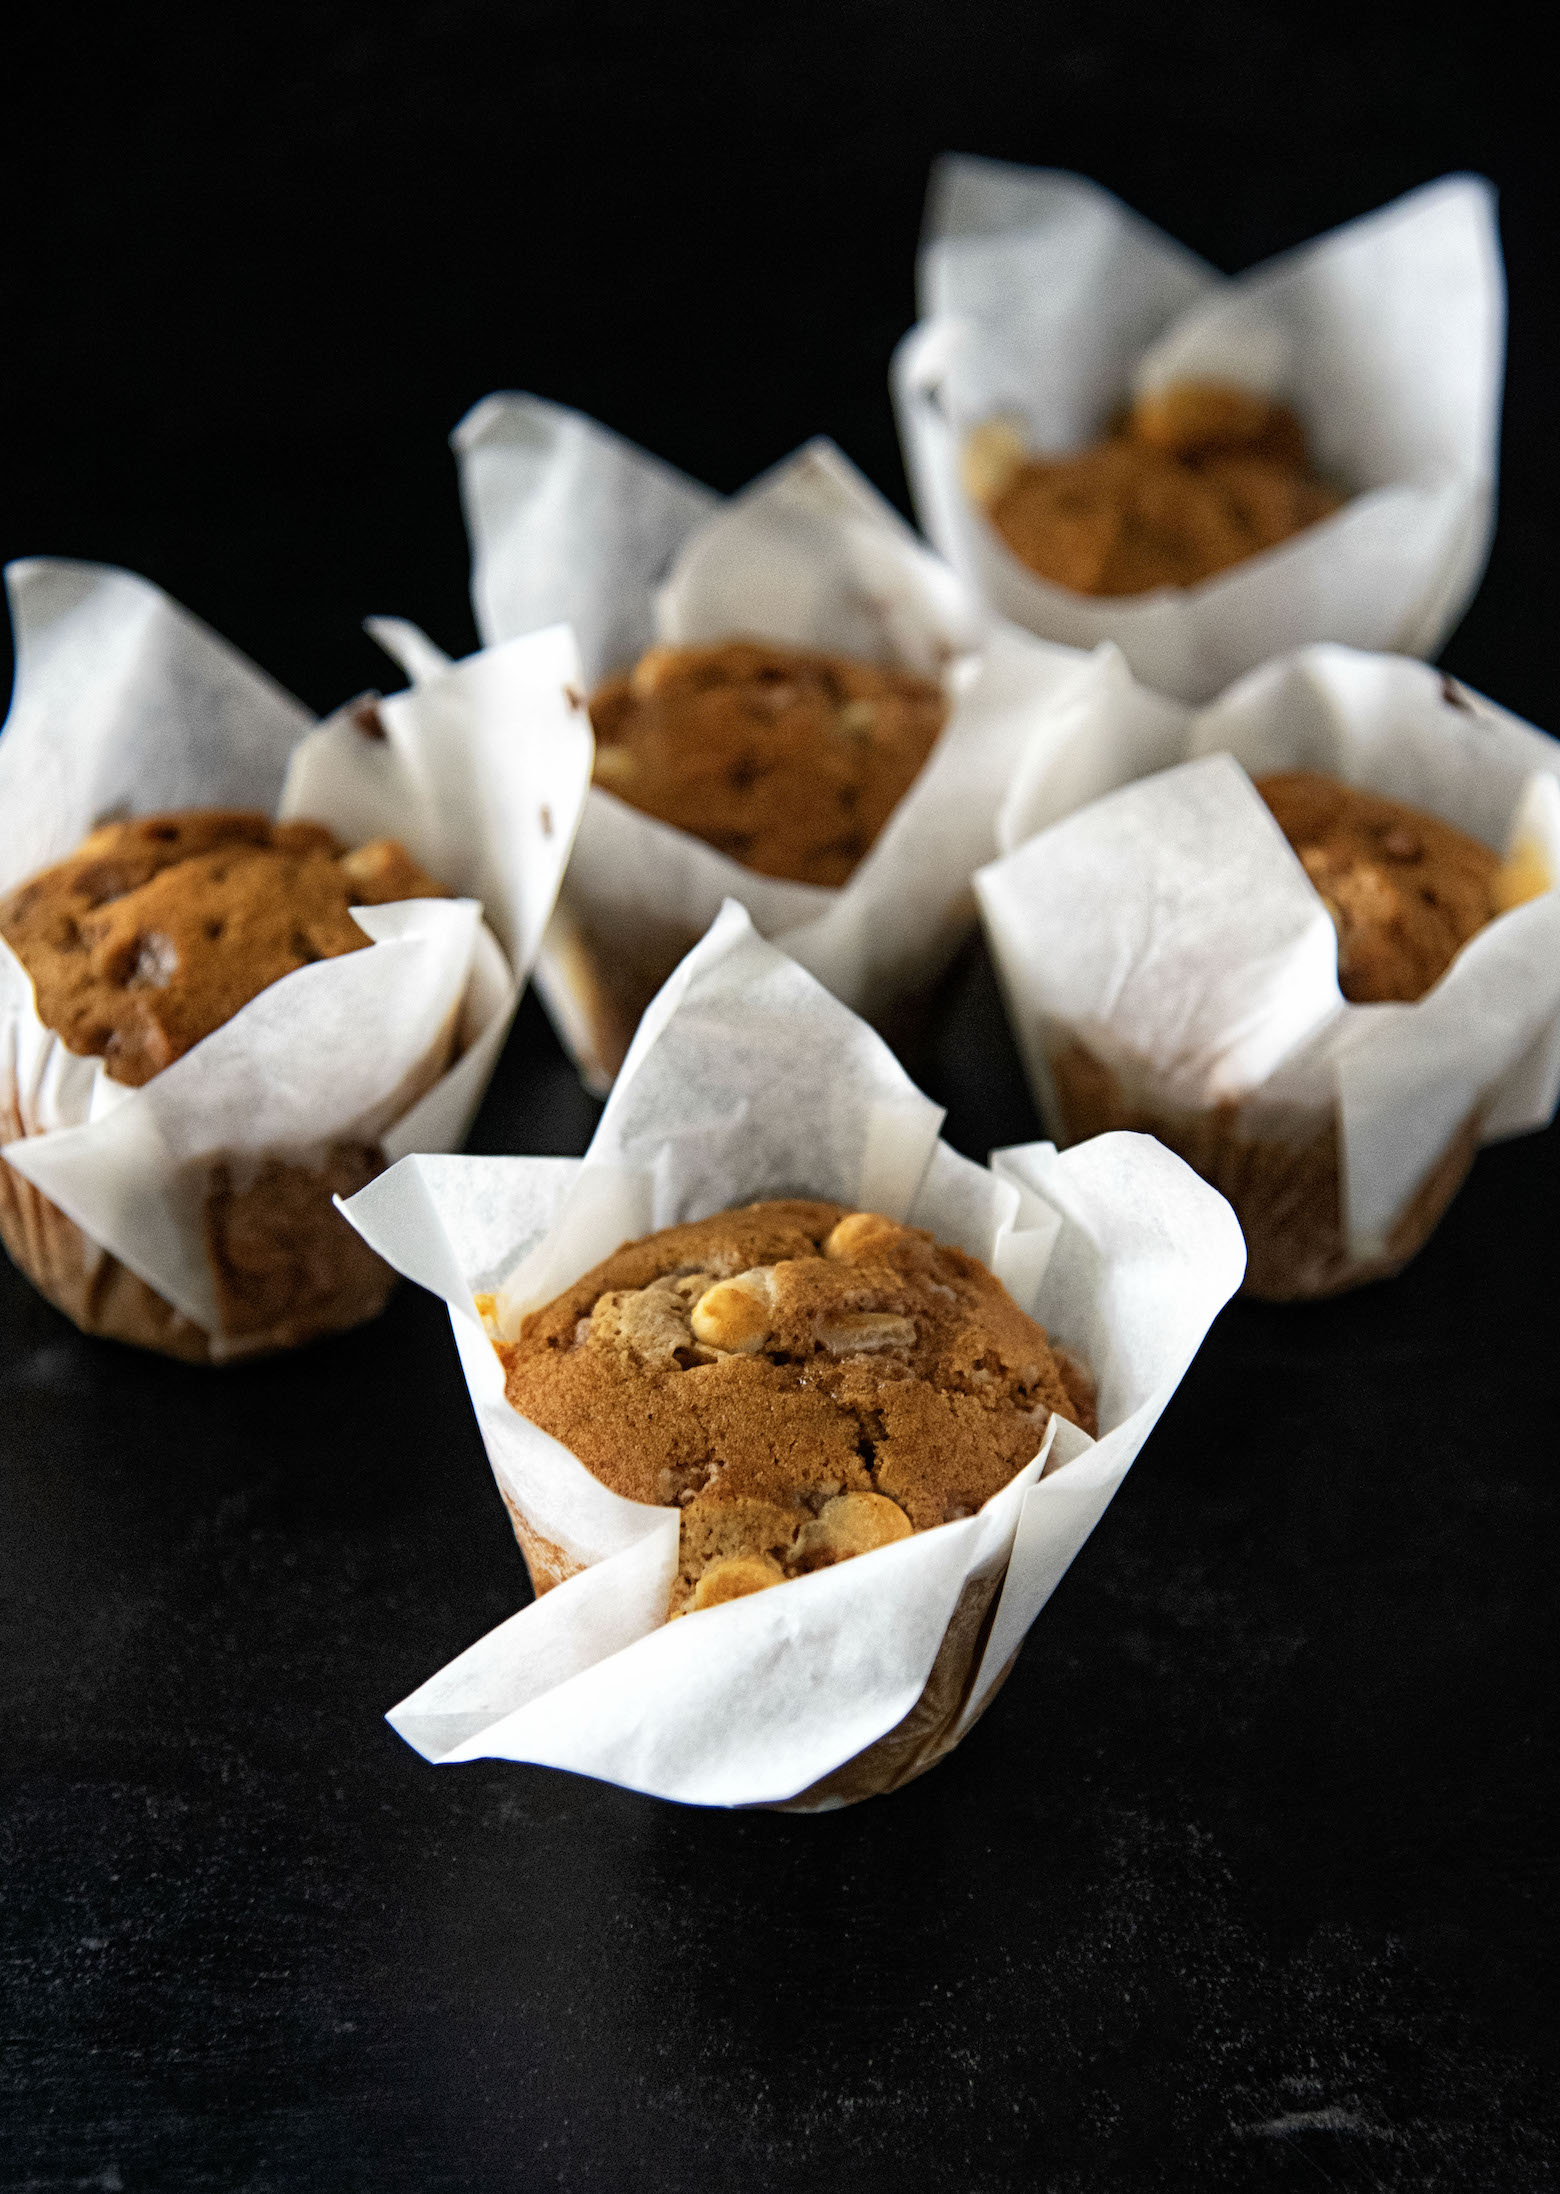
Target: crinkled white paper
point(747, 1080)
point(125, 704)
point(1153, 909)
point(1046, 302)
point(569, 521)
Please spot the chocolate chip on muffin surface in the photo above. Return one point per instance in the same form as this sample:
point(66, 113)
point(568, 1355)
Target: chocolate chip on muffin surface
point(156, 931)
point(803, 1381)
point(788, 760)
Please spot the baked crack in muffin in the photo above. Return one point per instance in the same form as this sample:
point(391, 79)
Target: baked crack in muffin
point(1405, 890)
point(1193, 480)
point(790, 762)
point(157, 930)
point(803, 1381)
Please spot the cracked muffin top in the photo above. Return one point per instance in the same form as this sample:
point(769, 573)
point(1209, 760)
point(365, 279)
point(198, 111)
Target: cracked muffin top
point(789, 762)
point(1194, 479)
point(1405, 890)
point(157, 930)
point(804, 1381)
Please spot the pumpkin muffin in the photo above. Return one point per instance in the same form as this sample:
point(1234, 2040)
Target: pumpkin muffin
point(803, 1381)
point(151, 935)
point(1194, 479)
point(790, 762)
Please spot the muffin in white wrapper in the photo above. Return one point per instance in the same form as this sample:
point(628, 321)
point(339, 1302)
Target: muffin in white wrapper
point(748, 1081)
point(193, 1214)
point(568, 521)
point(1047, 306)
point(1169, 966)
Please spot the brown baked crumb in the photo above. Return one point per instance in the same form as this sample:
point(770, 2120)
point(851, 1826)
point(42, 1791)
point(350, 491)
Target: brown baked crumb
point(789, 762)
point(1194, 479)
point(1405, 890)
point(157, 930)
point(803, 1381)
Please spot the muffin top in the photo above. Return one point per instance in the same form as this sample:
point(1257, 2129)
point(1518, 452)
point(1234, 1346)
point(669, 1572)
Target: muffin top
point(789, 762)
point(1405, 890)
point(803, 1381)
point(157, 930)
point(1194, 479)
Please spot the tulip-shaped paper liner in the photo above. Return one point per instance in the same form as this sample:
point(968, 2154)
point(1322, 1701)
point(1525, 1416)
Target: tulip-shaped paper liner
point(1167, 962)
point(747, 1080)
point(124, 705)
point(1047, 306)
point(570, 522)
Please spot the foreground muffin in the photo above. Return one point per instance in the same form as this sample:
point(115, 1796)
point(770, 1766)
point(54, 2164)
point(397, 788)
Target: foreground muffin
point(857, 1678)
point(789, 761)
point(1193, 480)
point(153, 934)
point(804, 1382)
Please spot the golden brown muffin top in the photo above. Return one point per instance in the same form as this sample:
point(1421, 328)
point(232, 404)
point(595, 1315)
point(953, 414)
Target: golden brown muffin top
point(802, 1380)
point(157, 930)
point(1193, 480)
point(1405, 890)
point(789, 762)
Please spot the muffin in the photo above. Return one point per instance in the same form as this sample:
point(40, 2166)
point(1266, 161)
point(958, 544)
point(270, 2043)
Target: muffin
point(1405, 890)
point(1194, 479)
point(789, 761)
point(1046, 304)
point(763, 749)
point(802, 1381)
point(704, 1394)
point(157, 930)
point(146, 939)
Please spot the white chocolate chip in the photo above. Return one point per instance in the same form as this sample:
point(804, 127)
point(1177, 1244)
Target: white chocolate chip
point(615, 765)
point(733, 1316)
point(734, 1578)
point(993, 453)
point(1523, 875)
point(654, 669)
point(854, 1238)
point(850, 1524)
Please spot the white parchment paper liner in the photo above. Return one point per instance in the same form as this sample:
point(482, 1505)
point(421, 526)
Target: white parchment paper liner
point(1154, 912)
point(1046, 302)
point(568, 521)
point(125, 704)
point(747, 1080)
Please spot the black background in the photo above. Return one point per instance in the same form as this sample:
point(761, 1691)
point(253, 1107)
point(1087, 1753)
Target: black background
point(1247, 1880)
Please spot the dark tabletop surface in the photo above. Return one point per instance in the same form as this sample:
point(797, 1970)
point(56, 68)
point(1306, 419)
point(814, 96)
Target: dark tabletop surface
point(1248, 1878)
